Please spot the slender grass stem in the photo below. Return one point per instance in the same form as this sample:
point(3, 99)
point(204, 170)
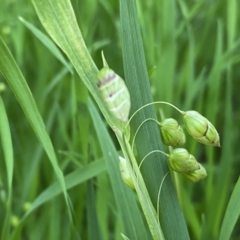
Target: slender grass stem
point(159, 192)
point(148, 119)
point(154, 151)
point(149, 104)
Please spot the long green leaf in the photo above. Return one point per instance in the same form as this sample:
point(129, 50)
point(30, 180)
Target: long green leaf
point(232, 213)
point(5, 135)
point(15, 79)
point(60, 22)
point(214, 216)
point(47, 42)
point(155, 167)
point(91, 214)
point(73, 179)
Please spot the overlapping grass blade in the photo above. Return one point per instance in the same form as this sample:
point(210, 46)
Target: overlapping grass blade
point(232, 213)
point(73, 179)
point(131, 218)
point(155, 168)
point(91, 213)
point(6, 141)
point(15, 79)
point(220, 191)
point(47, 42)
point(60, 22)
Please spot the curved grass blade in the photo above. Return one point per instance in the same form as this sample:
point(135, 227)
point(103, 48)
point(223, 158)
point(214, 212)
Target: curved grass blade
point(60, 22)
point(47, 42)
point(232, 213)
point(6, 140)
point(73, 179)
point(16, 81)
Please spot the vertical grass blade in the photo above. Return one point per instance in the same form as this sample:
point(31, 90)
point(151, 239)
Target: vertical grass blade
point(232, 213)
point(155, 167)
point(221, 189)
point(6, 141)
point(91, 213)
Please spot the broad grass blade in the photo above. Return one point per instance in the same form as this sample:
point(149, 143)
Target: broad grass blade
point(155, 167)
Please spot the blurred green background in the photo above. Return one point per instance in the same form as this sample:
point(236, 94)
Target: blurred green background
point(192, 54)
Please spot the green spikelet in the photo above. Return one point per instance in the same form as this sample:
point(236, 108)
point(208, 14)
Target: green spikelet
point(114, 93)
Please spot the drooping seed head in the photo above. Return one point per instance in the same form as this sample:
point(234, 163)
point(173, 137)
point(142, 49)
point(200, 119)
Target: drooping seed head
point(125, 173)
point(197, 175)
point(201, 129)
point(171, 132)
point(180, 160)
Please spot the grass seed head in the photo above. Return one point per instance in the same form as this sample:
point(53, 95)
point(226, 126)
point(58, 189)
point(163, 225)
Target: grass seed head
point(180, 160)
point(172, 134)
point(197, 175)
point(201, 129)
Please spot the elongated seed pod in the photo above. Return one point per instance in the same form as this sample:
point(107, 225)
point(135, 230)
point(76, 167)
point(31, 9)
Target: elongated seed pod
point(114, 93)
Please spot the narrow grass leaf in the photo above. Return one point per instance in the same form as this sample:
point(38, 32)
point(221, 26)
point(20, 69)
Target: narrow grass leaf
point(6, 140)
point(130, 216)
point(46, 41)
point(232, 213)
point(73, 179)
point(214, 84)
point(166, 50)
point(215, 215)
point(91, 213)
point(155, 168)
point(15, 79)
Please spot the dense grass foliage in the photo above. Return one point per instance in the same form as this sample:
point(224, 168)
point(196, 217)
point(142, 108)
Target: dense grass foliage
point(192, 57)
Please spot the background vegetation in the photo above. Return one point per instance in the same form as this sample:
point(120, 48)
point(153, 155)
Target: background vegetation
point(192, 55)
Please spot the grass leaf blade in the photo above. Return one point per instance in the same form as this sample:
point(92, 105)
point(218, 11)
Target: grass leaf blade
point(155, 168)
point(15, 79)
point(6, 140)
point(232, 213)
point(130, 216)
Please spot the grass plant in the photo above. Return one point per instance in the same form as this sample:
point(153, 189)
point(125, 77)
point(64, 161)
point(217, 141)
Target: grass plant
point(59, 174)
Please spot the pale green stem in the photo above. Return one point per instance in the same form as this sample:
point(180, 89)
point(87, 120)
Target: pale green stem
point(158, 102)
point(160, 188)
point(141, 189)
point(154, 151)
point(148, 119)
